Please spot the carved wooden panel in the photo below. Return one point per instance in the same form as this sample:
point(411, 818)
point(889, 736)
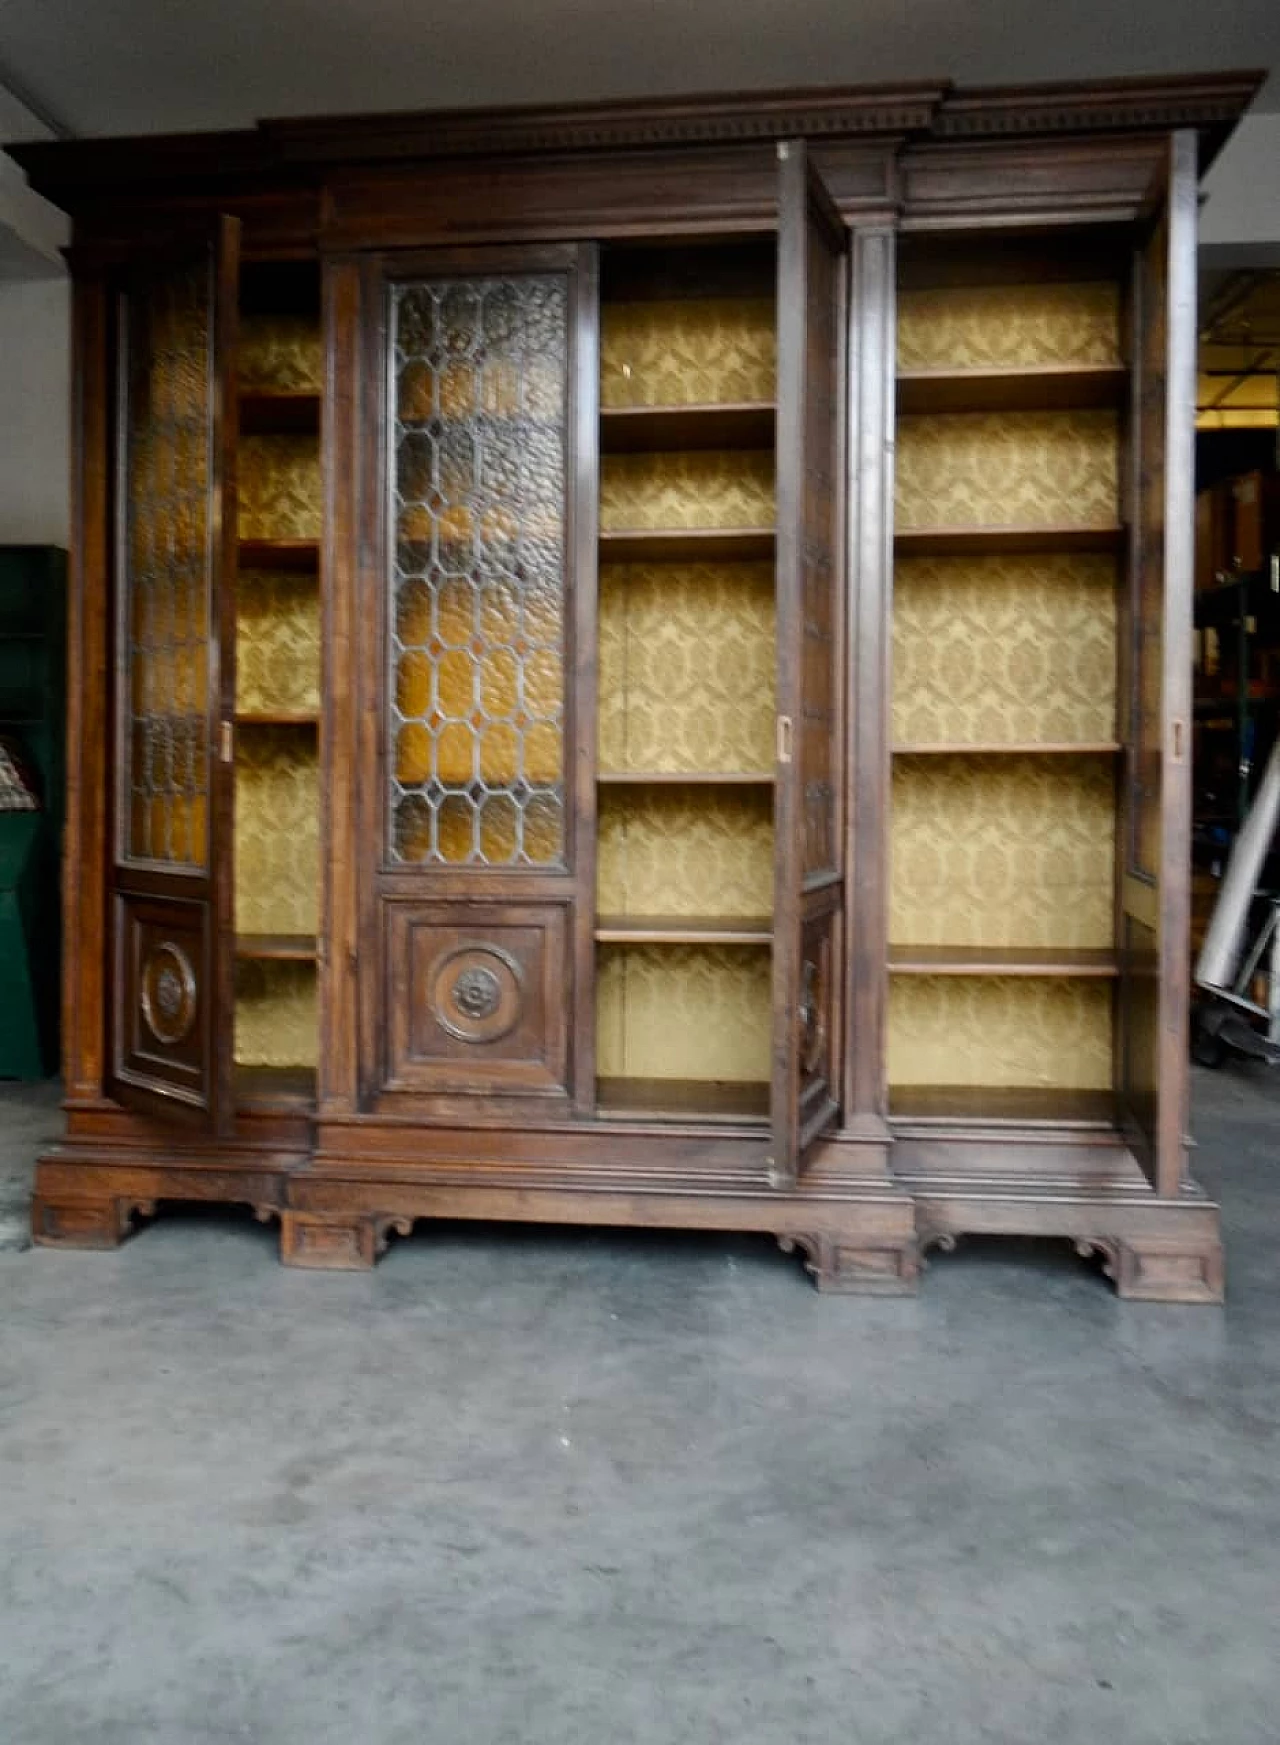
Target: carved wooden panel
point(163, 971)
point(477, 997)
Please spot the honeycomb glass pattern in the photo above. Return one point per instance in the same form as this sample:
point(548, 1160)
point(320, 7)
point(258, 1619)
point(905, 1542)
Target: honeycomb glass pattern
point(168, 422)
point(478, 505)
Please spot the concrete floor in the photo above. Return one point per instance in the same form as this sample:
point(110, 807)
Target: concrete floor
point(544, 1486)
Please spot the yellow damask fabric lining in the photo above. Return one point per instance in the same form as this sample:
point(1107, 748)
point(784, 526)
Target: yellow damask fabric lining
point(280, 489)
point(687, 352)
point(277, 641)
point(999, 650)
point(277, 848)
point(970, 327)
point(702, 489)
point(680, 851)
point(966, 469)
point(280, 352)
point(277, 1022)
point(1003, 851)
point(687, 667)
point(1030, 1032)
point(683, 1012)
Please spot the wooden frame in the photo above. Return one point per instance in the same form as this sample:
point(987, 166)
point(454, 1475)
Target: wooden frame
point(877, 1188)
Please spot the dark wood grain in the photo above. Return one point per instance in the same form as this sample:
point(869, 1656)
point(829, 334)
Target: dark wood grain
point(686, 545)
point(279, 411)
point(1002, 541)
point(935, 960)
point(682, 1099)
point(404, 1120)
point(1051, 387)
point(652, 429)
point(682, 930)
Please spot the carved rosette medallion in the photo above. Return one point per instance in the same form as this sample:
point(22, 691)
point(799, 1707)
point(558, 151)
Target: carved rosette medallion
point(476, 992)
point(169, 993)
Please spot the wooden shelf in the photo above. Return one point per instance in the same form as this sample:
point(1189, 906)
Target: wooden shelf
point(982, 960)
point(747, 424)
point(277, 947)
point(1003, 540)
point(681, 1100)
point(280, 554)
point(277, 717)
point(686, 778)
point(1039, 388)
point(682, 930)
point(1009, 748)
point(280, 411)
point(687, 545)
point(1000, 1106)
point(279, 1087)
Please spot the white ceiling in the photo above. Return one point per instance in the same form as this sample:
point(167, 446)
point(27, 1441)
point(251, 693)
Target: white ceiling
point(124, 66)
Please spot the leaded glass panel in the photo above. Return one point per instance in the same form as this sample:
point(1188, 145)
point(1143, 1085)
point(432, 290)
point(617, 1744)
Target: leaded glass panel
point(475, 720)
point(167, 434)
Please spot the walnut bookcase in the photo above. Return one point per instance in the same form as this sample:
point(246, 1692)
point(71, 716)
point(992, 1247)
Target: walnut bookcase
point(631, 667)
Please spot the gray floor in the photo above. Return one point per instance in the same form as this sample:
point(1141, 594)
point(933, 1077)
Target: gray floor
point(535, 1486)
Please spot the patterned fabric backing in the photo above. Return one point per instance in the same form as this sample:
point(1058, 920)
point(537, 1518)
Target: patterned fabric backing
point(1003, 852)
point(1002, 650)
point(972, 327)
point(687, 667)
point(280, 352)
point(703, 351)
point(683, 851)
point(968, 469)
point(277, 849)
point(19, 782)
point(280, 490)
point(1032, 1032)
point(702, 489)
point(277, 1022)
point(683, 1011)
point(277, 642)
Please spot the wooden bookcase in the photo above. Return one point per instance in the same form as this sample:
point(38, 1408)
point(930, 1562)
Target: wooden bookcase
point(638, 658)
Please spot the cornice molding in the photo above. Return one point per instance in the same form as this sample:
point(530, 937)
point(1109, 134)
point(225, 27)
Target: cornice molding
point(914, 114)
point(700, 120)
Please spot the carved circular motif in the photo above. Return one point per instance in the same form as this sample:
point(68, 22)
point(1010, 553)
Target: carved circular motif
point(476, 992)
point(169, 993)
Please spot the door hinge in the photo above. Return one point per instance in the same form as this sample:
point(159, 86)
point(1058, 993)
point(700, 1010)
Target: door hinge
point(784, 739)
point(227, 742)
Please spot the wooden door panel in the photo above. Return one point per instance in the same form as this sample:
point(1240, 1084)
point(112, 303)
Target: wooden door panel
point(1156, 682)
point(812, 262)
point(477, 998)
point(171, 959)
point(162, 971)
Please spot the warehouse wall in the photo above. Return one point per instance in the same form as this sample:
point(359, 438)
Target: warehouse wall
point(35, 367)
